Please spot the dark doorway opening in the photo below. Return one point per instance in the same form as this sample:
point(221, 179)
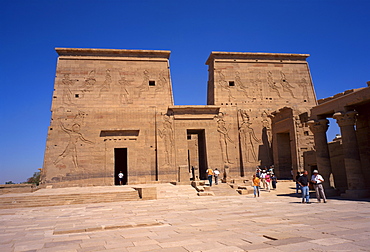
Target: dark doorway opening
point(197, 153)
point(120, 164)
point(284, 156)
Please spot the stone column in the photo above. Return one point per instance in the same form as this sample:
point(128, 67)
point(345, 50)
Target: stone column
point(319, 128)
point(352, 161)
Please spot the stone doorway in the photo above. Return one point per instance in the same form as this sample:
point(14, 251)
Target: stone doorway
point(197, 154)
point(120, 164)
point(284, 156)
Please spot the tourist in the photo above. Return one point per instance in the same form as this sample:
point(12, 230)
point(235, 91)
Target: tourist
point(216, 174)
point(209, 172)
point(297, 185)
point(120, 177)
point(273, 181)
point(304, 183)
point(317, 180)
point(268, 181)
point(258, 172)
point(263, 176)
point(271, 170)
point(256, 185)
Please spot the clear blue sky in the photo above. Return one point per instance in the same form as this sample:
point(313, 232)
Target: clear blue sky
point(336, 33)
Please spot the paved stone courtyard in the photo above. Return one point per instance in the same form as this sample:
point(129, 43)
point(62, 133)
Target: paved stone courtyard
point(181, 221)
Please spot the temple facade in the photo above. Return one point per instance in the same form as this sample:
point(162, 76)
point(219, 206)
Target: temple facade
point(113, 110)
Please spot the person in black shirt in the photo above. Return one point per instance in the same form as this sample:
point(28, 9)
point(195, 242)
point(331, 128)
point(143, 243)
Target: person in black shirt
point(304, 182)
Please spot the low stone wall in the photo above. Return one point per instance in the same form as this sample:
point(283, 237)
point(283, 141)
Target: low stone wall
point(17, 188)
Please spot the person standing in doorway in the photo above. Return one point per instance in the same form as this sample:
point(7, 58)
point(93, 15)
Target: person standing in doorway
point(256, 185)
point(120, 177)
point(209, 172)
point(316, 180)
point(304, 183)
point(216, 174)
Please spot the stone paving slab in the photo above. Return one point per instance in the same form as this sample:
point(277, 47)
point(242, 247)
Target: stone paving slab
point(181, 221)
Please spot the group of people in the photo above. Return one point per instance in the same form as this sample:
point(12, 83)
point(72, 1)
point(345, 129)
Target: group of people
point(303, 182)
point(266, 177)
point(268, 180)
point(212, 173)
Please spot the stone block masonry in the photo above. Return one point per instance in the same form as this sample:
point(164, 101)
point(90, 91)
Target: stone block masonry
point(112, 111)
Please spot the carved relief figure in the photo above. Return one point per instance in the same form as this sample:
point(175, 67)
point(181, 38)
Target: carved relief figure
point(67, 93)
point(124, 94)
point(224, 85)
point(267, 125)
point(285, 84)
point(89, 82)
point(240, 84)
point(303, 84)
point(266, 138)
point(167, 134)
point(257, 91)
point(224, 137)
point(105, 87)
point(162, 80)
point(272, 84)
point(71, 150)
point(248, 137)
point(145, 83)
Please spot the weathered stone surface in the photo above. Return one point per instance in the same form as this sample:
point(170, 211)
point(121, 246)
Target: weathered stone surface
point(112, 111)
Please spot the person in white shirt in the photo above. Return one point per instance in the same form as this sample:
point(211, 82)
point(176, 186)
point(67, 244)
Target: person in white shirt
point(316, 180)
point(263, 179)
point(120, 177)
point(216, 173)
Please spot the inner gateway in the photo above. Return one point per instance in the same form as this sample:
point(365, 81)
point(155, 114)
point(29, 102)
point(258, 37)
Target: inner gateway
point(285, 155)
point(120, 164)
point(197, 158)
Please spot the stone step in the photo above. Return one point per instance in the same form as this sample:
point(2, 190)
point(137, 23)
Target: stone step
point(224, 189)
point(66, 199)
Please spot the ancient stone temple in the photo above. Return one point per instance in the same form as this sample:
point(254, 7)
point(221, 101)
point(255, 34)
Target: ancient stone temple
point(113, 111)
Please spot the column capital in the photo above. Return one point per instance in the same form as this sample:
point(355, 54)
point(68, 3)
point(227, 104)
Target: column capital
point(317, 126)
point(345, 119)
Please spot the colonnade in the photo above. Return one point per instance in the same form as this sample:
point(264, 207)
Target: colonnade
point(352, 162)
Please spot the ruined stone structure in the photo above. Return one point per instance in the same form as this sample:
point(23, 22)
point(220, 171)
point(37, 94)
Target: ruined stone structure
point(351, 110)
point(113, 111)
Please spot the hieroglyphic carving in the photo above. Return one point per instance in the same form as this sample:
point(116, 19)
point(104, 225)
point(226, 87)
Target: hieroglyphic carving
point(272, 84)
point(303, 84)
point(89, 82)
point(105, 87)
point(257, 83)
point(224, 138)
point(248, 137)
point(67, 93)
point(240, 84)
point(79, 118)
point(167, 134)
point(124, 94)
point(71, 150)
point(224, 85)
point(285, 84)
